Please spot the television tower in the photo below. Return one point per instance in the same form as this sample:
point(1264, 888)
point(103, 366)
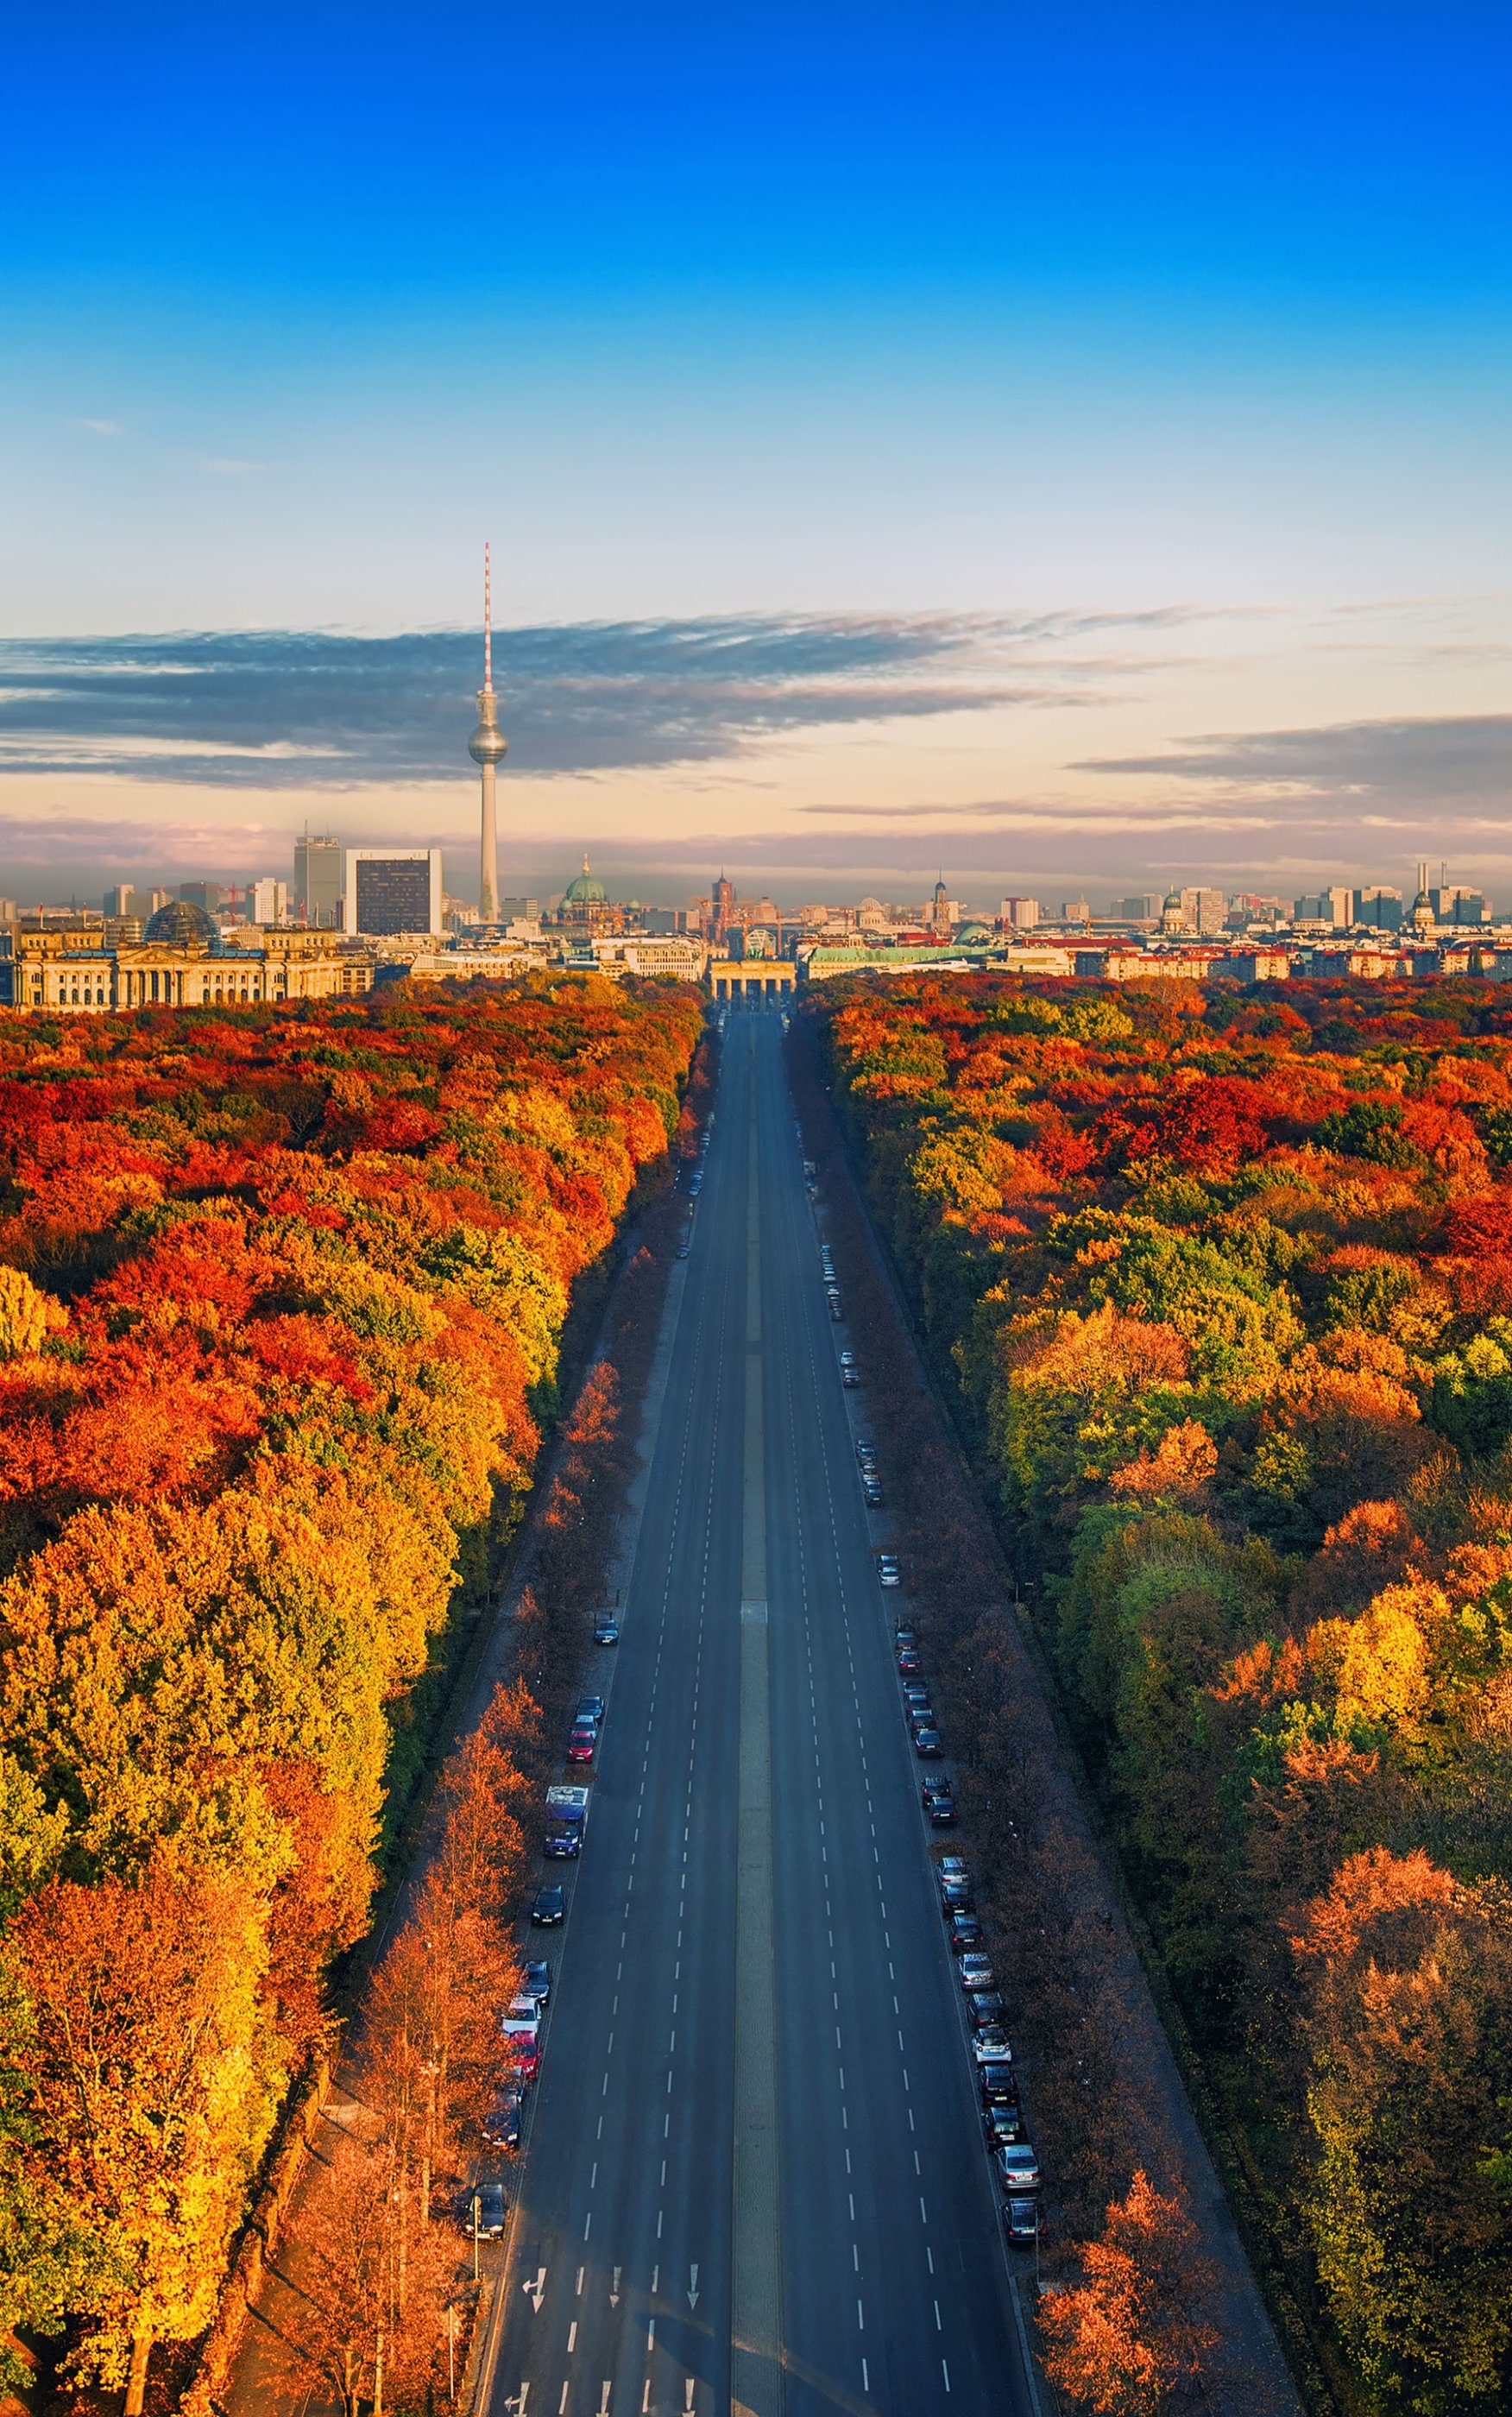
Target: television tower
point(488, 746)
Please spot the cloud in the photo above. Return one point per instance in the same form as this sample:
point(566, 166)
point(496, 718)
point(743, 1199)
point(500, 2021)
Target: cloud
point(1418, 764)
point(291, 709)
point(103, 427)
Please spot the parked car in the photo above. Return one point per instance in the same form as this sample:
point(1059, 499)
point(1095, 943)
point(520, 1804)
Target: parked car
point(953, 1867)
point(872, 1493)
point(942, 1811)
point(908, 1660)
point(684, 1247)
point(486, 2212)
point(1022, 2217)
point(590, 1707)
point(525, 2057)
point(956, 1898)
point(606, 1631)
point(934, 1792)
point(836, 1312)
point(998, 2084)
point(919, 1716)
point(965, 1930)
point(888, 1572)
point(976, 1969)
point(548, 1908)
point(501, 2124)
point(1018, 2169)
point(984, 2006)
point(581, 1745)
point(991, 2045)
point(1004, 2126)
point(536, 1976)
point(928, 1743)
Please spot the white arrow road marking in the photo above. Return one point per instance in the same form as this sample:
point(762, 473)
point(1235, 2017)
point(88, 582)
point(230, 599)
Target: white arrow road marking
point(688, 2393)
point(536, 2293)
point(603, 2405)
point(693, 2287)
point(613, 2289)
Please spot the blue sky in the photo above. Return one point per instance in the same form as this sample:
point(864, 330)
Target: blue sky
point(817, 312)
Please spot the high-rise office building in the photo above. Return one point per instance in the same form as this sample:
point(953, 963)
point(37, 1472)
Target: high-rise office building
point(1204, 910)
point(269, 901)
point(392, 891)
point(318, 873)
point(1019, 914)
point(488, 747)
point(1460, 906)
point(1380, 909)
point(1334, 906)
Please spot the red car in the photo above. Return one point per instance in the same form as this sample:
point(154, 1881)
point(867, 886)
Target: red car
point(581, 1745)
point(525, 2055)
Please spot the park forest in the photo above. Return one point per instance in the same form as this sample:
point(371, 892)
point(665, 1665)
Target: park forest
point(281, 1302)
point(1218, 1286)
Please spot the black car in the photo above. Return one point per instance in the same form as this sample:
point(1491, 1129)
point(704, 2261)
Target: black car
point(606, 1631)
point(1022, 2217)
point(956, 1898)
point(501, 2124)
point(549, 1908)
point(485, 2212)
point(871, 1496)
point(929, 1743)
point(984, 2006)
point(965, 1932)
point(942, 1811)
point(903, 1637)
point(1004, 2126)
point(998, 2086)
point(590, 1707)
point(535, 1981)
point(920, 1716)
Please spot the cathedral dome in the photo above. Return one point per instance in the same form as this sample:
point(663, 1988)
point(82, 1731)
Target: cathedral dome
point(183, 926)
point(586, 890)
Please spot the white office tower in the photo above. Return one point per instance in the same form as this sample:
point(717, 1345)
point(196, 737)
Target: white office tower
point(488, 747)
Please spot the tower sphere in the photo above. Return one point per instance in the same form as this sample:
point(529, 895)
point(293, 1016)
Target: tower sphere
point(488, 743)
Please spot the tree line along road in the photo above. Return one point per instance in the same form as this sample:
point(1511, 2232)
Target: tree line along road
point(755, 2178)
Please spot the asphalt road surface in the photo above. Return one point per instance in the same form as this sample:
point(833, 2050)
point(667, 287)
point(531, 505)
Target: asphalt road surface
point(754, 2177)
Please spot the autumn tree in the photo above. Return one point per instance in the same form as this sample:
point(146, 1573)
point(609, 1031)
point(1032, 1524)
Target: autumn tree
point(1133, 2336)
point(147, 2091)
point(369, 2321)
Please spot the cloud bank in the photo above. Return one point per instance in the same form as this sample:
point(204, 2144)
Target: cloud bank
point(291, 709)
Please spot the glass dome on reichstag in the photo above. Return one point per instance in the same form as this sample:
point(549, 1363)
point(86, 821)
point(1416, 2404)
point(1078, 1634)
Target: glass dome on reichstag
point(184, 927)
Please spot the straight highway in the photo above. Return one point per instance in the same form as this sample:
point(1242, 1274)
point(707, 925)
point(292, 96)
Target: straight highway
point(754, 2178)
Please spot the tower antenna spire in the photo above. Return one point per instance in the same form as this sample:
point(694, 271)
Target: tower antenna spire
point(487, 619)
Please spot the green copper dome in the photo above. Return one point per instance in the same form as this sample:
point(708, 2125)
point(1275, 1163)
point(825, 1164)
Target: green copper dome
point(586, 890)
